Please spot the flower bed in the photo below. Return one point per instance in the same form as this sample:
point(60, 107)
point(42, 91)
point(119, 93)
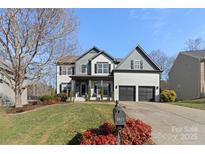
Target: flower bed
point(33, 105)
point(135, 132)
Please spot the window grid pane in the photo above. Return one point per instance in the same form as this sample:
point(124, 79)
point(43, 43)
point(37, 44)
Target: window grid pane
point(64, 70)
point(102, 68)
point(83, 68)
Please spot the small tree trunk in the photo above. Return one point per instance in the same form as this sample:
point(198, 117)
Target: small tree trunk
point(18, 100)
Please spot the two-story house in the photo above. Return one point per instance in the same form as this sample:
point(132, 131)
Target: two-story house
point(134, 78)
point(187, 75)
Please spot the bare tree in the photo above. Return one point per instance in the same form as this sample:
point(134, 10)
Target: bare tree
point(30, 41)
point(163, 61)
point(194, 44)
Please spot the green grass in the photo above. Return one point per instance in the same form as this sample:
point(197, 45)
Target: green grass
point(192, 104)
point(52, 125)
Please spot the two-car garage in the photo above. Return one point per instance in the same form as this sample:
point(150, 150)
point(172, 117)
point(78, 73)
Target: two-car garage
point(136, 86)
point(128, 93)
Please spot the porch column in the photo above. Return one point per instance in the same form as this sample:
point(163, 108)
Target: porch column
point(73, 85)
point(89, 83)
point(101, 88)
point(101, 83)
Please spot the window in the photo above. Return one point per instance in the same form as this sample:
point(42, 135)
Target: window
point(65, 70)
point(83, 68)
point(105, 91)
point(137, 64)
point(70, 71)
point(102, 68)
point(65, 87)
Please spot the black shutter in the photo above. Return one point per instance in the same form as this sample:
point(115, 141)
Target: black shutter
point(141, 64)
point(132, 64)
point(109, 68)
point(73, 70)
point(60, 70)
point(60, 88)
point(95, 68)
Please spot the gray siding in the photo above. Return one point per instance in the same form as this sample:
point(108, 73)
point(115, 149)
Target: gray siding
point(135, 55)
point(84, 60)
point(184, 77)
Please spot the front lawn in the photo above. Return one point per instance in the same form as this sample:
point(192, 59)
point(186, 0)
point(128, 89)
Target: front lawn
point(200, 104)
point(56, 124)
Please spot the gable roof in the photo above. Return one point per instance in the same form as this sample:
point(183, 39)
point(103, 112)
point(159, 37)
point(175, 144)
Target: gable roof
point(93, 48)
point(199, 54)
point(70, 59)
point(104, 53)
point(146, 56)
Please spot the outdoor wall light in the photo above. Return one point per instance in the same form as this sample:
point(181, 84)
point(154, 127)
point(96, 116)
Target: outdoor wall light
point(157, 87)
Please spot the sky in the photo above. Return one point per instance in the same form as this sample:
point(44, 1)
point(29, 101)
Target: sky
point(118, 31)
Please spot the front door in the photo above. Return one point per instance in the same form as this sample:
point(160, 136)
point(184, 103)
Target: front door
point(83, 89)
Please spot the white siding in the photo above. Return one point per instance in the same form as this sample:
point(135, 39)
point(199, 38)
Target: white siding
point(136, 79)
point(7, 91)
point(101, 58)
point(61, 78)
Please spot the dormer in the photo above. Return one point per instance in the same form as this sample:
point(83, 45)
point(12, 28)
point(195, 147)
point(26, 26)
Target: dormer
point(101, 64)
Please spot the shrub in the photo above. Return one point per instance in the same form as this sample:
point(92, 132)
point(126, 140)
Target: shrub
point(99, 136)
point(46, 98)
point(55, 100)
point(168, 96)
point(63, 97)
point(89, 93)
point(135, 132)
point(101, 93)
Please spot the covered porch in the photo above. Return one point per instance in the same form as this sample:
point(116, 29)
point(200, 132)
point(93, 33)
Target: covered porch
point(92, 87)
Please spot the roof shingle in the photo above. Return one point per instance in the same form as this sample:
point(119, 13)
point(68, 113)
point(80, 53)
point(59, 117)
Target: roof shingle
point(67, 59)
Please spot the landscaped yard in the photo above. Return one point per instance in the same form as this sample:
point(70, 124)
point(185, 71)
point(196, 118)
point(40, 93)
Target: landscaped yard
point(56, 124)
point(198, 104)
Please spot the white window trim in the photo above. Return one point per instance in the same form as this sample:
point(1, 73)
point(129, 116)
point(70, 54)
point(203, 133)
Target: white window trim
point(137, 64)
point(102, 68)
point(81, 70)
point(69, 71)
point(66, 70)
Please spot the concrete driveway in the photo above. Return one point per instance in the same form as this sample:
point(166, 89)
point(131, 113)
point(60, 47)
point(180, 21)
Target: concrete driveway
point(171, 124)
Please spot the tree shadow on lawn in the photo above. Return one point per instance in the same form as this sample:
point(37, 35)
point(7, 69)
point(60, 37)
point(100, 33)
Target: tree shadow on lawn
point(75, 140)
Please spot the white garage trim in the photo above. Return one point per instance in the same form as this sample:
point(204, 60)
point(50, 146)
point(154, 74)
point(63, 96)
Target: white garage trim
point(136, 79)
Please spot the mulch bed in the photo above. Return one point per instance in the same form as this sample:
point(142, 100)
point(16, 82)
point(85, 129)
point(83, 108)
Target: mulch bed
point(32, 105)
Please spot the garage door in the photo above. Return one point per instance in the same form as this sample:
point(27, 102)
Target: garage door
point(146, 93)
point(127, 93)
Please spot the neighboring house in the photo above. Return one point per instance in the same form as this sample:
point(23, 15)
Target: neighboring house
point(187, 75)
point(7, 96)
point(134, 78)
point(39, 89)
